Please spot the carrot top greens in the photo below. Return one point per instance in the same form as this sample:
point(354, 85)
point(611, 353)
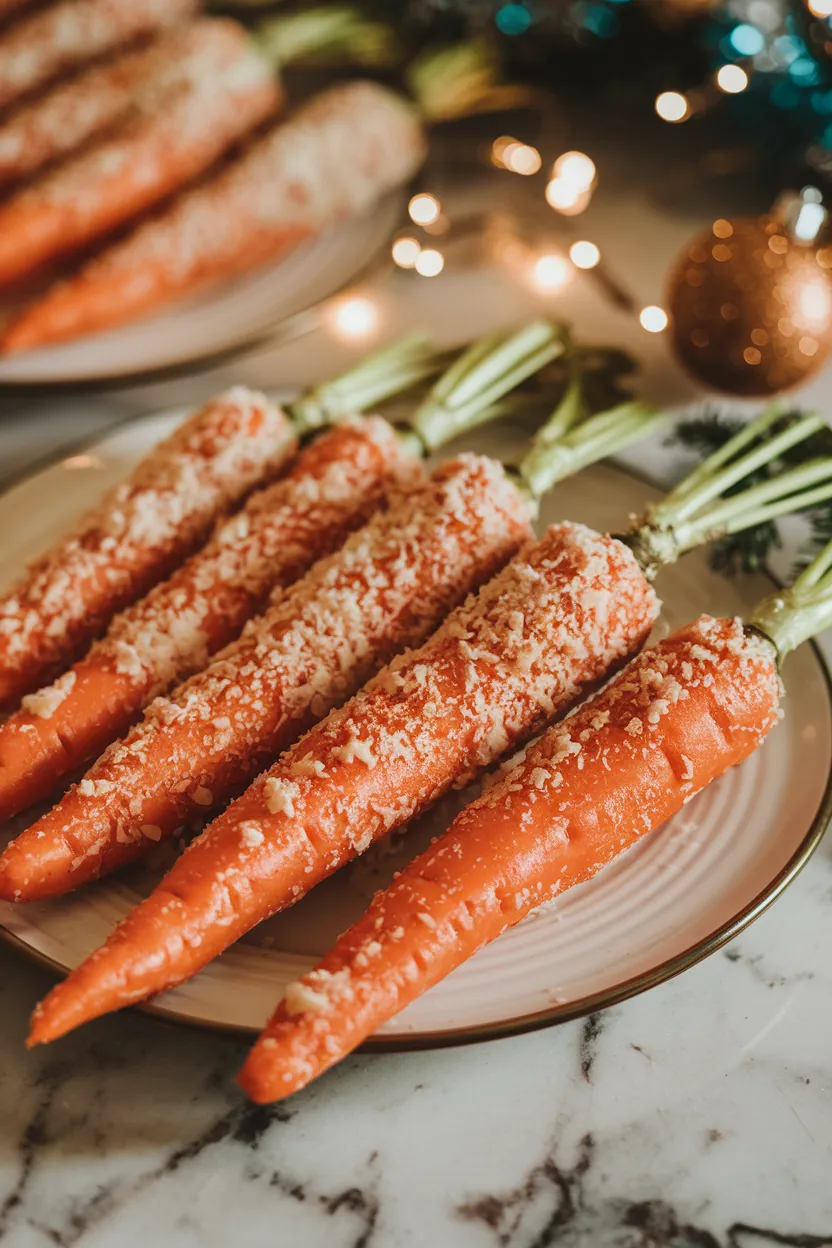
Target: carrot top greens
point(393, 370)
point(324, 30)
point(754, 477)
point(468, 394)
point(791, 616)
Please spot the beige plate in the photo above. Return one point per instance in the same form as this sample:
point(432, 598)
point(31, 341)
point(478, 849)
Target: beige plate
point(674, 898)
point(220, 322)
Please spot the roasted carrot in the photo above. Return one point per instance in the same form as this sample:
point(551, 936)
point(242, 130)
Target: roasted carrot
point(548, 626)
point(335, 484)
point(356, 142)
point(132, 86)
point(387, 587)
point(450, 514)
point(558, 618)
point(72, 32)
point(138, 534)
point(217, 89)
point(678, 716)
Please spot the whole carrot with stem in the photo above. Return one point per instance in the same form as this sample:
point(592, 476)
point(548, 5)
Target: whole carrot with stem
point(628, 759)
point(334, 157)
point(216, 87)
point(138, 534)
point(387, 587)
point(561, 615)
point(334, 485)
point(72, 32)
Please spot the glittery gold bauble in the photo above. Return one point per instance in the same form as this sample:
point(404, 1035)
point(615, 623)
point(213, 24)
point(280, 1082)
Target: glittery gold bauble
point(751, 308)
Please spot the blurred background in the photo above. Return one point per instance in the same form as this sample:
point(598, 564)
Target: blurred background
point(195, 193)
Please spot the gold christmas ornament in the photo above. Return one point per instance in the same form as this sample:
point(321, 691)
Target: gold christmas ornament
point(751, 307)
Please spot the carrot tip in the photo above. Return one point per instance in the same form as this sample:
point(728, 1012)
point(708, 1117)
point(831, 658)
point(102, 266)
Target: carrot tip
point(258, 1088)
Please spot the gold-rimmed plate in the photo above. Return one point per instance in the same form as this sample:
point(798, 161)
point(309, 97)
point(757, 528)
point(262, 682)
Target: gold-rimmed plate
point(677, 896)
point(219, 322)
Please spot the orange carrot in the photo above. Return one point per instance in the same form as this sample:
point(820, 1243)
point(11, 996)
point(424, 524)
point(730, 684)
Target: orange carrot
point(388, 587)
point(218, 88)
point(140, 532)
point(72, 32)
point(678, 716)
point(133, 86)
point(336, 156)
point(333, 487)
point(555, 620)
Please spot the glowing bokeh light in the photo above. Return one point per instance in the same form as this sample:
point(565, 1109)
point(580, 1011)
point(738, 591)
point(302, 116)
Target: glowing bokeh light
point(424, 209)
point(406, 252)
point(748, 40)
point(550, 272)
point(522, 158)
point(567, 198)
point(575, 167)
point(429, 262)
point(584, 255)
point(354, 317)
point(653, 319)
point(499, 148)
point(732, 79)
point(672, 106)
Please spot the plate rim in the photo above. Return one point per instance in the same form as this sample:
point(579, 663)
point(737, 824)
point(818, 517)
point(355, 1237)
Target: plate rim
point(521, 1024)
point(271, 334)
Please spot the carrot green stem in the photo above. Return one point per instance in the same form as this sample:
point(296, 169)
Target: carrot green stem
point(454, 79)
point(791, 616)
point(792, 491)
point(465, 396)
point(730, 450)
point(687, 502)
point(325, 29)
point(391, 371)
point(551, 459)
point(708, 504)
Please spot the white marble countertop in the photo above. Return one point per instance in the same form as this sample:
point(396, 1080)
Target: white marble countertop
point(698, 1115)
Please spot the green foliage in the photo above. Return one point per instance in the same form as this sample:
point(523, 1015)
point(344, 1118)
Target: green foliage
point(750, 550)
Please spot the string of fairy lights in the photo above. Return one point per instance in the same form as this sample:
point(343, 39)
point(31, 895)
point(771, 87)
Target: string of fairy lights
point(762, 50)
point(545, 269)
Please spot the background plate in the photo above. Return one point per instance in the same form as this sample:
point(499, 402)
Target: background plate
point(670, 900)
point(218, 321)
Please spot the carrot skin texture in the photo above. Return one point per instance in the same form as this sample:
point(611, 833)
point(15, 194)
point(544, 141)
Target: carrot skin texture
point(483, 682)
point(591, 787)
point(223, 90)
point(388, 586)
point(102, 97)
point(140, 532)
point(333, 487)
point(359, 141)
point(73, 32)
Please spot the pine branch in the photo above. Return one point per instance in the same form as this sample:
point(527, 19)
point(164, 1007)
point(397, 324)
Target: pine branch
point(745, 552)
point(706, 433)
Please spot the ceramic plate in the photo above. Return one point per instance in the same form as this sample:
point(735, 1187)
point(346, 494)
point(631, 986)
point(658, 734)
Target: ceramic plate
point(220, 321)
point(672, 899)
